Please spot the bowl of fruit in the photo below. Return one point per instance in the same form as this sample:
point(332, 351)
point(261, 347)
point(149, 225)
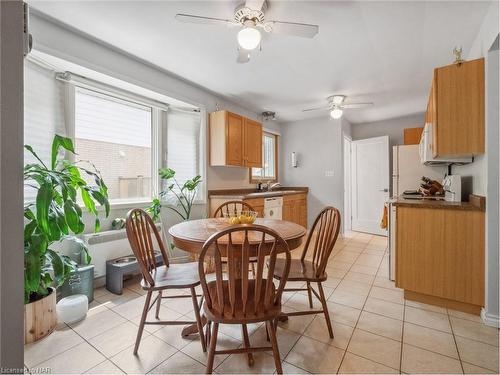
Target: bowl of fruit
point(243, 217)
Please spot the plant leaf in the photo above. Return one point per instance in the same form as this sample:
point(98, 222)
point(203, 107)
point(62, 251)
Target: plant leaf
point(73, 216)
point(30, 149)
point(57, 143)
point(43, 200)
point(101, 198)
point(87, 201)
point(29, 229)
point(166, 173)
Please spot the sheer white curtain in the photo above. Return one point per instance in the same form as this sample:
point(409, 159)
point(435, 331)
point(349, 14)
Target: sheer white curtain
point(183, 139)
point(44, 115)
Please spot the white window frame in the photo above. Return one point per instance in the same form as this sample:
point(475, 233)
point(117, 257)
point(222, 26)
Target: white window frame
point(257, 179)
point(158, 149)
point(202, 160)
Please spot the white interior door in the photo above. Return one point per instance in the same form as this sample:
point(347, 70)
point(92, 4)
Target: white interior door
point(370, 183)
point(347, 185)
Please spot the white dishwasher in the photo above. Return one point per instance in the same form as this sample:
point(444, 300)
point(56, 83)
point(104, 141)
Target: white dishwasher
point(273, 208)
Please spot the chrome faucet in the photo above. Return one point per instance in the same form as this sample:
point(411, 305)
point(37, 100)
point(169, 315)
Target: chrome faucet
point(270, 186)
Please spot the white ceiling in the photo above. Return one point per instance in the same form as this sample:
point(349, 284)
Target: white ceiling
point(370, 50)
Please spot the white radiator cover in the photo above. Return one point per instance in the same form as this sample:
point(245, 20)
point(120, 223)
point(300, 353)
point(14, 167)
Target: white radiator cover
point(107, 245)
point(104, 251)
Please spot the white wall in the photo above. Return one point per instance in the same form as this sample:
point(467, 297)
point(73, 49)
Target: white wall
point(318, 143)
point(484, 39)
point(484, 170)
point(392, 127)
point(62, 41)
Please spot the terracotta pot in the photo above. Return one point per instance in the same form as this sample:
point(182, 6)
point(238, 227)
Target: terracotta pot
point(40, 317)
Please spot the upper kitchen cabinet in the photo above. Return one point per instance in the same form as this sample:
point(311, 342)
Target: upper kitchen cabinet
point(235, 140)
point(456, 109)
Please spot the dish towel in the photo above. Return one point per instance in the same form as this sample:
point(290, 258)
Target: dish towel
point(383, 222)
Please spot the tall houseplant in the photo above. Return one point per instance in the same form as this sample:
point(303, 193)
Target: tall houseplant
point(56, 216)
point(183, 195)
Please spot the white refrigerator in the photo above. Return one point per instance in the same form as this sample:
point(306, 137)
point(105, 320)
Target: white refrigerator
point(407, 172)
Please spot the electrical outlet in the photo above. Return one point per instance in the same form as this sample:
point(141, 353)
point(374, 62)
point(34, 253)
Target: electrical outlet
point(329, 173)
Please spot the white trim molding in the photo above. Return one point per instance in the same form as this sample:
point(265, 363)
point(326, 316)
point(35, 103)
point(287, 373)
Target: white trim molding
point(489, 319)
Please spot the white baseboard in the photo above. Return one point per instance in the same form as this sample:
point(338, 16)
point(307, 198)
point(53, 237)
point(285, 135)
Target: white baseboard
point(489, 319)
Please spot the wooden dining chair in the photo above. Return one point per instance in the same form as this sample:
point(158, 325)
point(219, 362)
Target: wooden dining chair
point(235, 207)
point(232, 207)
point(321, 241)
point(240, 298)
point(156, 278)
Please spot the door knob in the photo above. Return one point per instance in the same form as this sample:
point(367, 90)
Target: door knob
point(384, 190)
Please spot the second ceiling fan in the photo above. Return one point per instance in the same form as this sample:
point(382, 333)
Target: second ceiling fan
point(250, 17)
point(336, 105)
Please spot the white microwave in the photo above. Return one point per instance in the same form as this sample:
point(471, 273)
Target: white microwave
point(426, 153)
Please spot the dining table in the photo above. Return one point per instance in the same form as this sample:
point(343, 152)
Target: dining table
point(191, 235)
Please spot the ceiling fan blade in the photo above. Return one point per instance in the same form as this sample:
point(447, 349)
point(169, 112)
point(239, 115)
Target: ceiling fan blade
point(254, 4)
point(190, 18)
point(303, 30)
point(317, 109)
point(243, 56)
point(356, 105)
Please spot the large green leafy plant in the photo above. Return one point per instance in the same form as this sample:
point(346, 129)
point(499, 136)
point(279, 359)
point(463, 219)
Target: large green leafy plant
point(56, 216)
point(183, 195)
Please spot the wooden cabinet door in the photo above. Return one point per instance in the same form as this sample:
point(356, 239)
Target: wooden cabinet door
point(440, 253)
point(295, 209)
point(287, 211)
point(459, 109)
point(234, 139)
point(253, 144)
point(257, 204)
point(412, 136)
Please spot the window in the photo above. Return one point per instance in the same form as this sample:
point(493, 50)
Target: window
point(43, 114)
point(269, 170)
point(116, 136)
point(183, 144)
point(128, 133)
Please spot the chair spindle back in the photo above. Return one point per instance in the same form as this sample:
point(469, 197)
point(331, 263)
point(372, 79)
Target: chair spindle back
point(322, 238)
point(139, 226)
point(238, 244)
point(232, 207)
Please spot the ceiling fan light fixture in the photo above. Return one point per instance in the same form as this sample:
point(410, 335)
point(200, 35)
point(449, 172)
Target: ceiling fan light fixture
point(249, 38)
point(336, 113)
point(338, 99)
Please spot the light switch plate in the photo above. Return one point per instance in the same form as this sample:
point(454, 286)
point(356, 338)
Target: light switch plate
point(329, 173)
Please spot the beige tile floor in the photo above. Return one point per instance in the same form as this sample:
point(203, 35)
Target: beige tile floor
point(376, 331)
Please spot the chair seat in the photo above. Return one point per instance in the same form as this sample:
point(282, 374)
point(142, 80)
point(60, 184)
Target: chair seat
point(242, 315)
point(299, 270)
point(181, 275)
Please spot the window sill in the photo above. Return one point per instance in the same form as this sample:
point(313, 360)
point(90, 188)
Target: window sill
point(255, 180)
point(123, 205)
point(134, 204)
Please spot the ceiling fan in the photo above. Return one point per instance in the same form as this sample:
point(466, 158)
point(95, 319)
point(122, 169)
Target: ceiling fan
point(250, 17)
point(336, 106)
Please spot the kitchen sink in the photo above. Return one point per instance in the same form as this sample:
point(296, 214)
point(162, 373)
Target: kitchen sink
point(273, 193)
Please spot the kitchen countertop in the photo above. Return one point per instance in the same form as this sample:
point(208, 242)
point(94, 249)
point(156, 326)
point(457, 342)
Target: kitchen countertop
point(239, 194)
point(476, 203)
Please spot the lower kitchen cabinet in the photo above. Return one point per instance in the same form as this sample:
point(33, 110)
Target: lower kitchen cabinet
point(295, 209)
point(294, 206)
point(257, 204)
point(440, 256)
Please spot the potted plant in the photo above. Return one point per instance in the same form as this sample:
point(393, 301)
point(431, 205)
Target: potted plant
point(179, 199)
point(53, 217)
point(183, 195)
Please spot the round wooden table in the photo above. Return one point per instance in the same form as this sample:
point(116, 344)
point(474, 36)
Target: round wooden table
point(191, 235)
